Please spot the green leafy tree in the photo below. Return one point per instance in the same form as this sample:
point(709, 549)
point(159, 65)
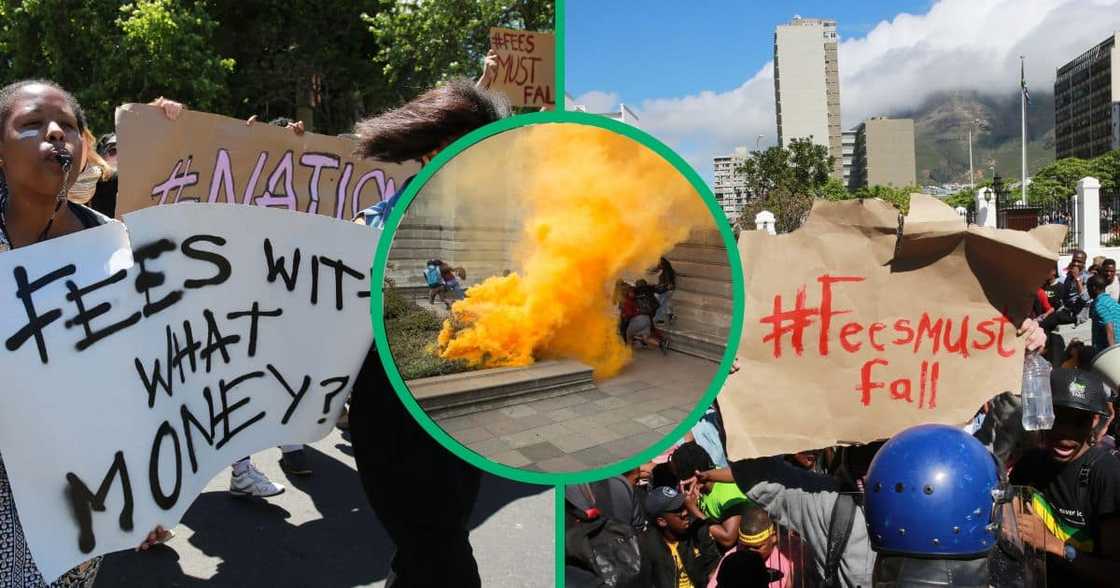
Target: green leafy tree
point(108, 54)
point(1058, 181)
point(899, 197)
point(422, 43)
point(785, 180)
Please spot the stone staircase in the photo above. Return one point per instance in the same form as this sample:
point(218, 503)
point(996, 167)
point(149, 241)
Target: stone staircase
point(470, 392)
point(481, 250)
point(702, 303)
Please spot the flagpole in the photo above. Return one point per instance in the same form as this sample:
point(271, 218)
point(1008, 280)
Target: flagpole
point(1023, 105)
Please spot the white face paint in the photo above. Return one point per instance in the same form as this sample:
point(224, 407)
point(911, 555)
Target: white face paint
point(27, 134)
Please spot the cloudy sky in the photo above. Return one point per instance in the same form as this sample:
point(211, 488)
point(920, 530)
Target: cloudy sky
point(702, 81)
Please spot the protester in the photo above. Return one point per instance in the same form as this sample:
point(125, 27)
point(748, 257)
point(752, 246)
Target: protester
point(804, 502)
point(400, 463)
point(1108, 271)
point(679, 549)
point(1075, 518)
point(1075, 295)
point(107, 149)
point(758, 537)
point(637, 326)
point(434, 280)
point(714, 502)
point(666, 285)
point(1105, 314)
point(41, 142)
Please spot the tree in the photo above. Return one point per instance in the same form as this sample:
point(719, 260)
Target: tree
point(1058, 181)
point(899, 197)
point(785, 180)
point(108, 54)
point(423, 43)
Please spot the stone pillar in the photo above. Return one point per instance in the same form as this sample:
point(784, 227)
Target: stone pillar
point(986, 208)
point(764, 221)
point(1087, 213)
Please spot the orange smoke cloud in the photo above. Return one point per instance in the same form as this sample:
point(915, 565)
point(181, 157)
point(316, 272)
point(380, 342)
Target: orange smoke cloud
point(598, 207)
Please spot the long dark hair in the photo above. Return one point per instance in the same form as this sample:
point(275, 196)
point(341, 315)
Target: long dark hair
point(431, 121)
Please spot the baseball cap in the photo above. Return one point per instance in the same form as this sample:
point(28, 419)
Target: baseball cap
point(1078, 389)
point(663, 499)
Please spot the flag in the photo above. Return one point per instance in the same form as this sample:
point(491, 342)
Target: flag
point(1023, 83)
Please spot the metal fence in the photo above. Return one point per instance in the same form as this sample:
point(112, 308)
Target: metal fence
point(1026, 217)
point(1110, 219)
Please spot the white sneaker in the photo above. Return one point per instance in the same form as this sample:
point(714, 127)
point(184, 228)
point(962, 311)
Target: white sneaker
point(252, 482)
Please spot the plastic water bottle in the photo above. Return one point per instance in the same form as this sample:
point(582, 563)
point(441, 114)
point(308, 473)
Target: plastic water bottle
point(1038, 405)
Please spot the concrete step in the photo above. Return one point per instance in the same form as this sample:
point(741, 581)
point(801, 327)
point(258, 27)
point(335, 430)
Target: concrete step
point(698, 254)
point(702, 302)
point(703, 270)
point(684, 338)
point(460, 233)
point(712, 331)
point(481, 390)
point(721, 288)
point(715, 318)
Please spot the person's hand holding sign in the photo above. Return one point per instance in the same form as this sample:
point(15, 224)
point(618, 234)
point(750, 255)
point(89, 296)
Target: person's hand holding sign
point(158, 536)
point(489, 70)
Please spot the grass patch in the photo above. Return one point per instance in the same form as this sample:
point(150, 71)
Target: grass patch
point(411, 329)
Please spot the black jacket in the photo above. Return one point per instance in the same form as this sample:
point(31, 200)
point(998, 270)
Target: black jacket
point(698, 551)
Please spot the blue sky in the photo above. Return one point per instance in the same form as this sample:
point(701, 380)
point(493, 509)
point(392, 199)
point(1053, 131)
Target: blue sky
point(701, 78)
point(653, 49)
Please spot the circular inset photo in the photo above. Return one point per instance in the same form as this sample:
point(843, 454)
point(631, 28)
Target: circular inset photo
point(557, 296)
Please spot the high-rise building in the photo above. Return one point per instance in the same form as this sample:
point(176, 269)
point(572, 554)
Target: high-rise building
point(1087, 102)
point(807, 85)
point(883, 154)
point(848, 151)
point(730, 188)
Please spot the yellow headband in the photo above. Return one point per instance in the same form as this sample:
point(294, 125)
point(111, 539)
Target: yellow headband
point(757, 538)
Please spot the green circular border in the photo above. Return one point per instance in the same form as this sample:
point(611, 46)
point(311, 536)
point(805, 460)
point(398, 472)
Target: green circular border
point(378, 275)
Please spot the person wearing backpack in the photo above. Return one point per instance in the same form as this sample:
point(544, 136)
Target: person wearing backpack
point(434, 280)
point(830, 522)
point(1075, 517)
point(600, 539)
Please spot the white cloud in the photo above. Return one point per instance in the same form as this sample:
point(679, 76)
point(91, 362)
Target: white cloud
point(598, 102)
point(957, 45)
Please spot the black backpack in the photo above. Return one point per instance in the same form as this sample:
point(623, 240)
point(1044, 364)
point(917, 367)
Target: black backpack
point(603, 546)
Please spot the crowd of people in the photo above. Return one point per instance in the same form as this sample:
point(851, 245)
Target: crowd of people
point(51, 166)
point(1049, 505)
point(643, 308)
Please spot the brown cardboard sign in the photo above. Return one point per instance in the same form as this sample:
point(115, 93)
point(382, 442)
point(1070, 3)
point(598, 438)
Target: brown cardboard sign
point(855, 329)
point(526, 67)
point(205, 157)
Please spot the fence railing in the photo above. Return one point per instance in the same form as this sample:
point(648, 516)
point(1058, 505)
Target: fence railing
point(1025, 217)
point(1110, 219)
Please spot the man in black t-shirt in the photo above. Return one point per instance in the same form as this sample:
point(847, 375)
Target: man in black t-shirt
point(1075, 516)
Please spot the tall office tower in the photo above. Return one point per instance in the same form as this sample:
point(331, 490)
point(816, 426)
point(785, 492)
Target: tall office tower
point(807, 85)
point(729, 187)
point(1087, 102)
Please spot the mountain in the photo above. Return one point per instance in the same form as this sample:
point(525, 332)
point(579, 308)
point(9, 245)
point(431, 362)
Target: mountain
point(941, 133)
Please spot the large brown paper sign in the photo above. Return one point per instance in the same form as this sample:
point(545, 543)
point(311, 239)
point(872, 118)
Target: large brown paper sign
point(854, 331)
point(526, 67)
point(209, 158)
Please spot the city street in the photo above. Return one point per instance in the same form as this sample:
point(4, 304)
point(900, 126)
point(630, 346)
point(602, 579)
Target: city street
point(321, 532)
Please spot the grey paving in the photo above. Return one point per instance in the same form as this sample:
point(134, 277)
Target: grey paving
point(591, 429)
point(321, 532)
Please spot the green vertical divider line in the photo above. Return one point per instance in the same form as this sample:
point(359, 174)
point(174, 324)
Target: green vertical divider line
point(561, 75)
point(561, 104)
point(559, 535)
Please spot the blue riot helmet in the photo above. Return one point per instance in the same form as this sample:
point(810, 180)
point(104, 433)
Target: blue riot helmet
point(930, 493)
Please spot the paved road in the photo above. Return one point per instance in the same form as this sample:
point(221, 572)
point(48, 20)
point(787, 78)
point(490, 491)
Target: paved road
point(321, 532)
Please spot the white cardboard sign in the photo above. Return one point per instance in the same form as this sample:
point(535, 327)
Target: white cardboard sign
point(138, 364)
